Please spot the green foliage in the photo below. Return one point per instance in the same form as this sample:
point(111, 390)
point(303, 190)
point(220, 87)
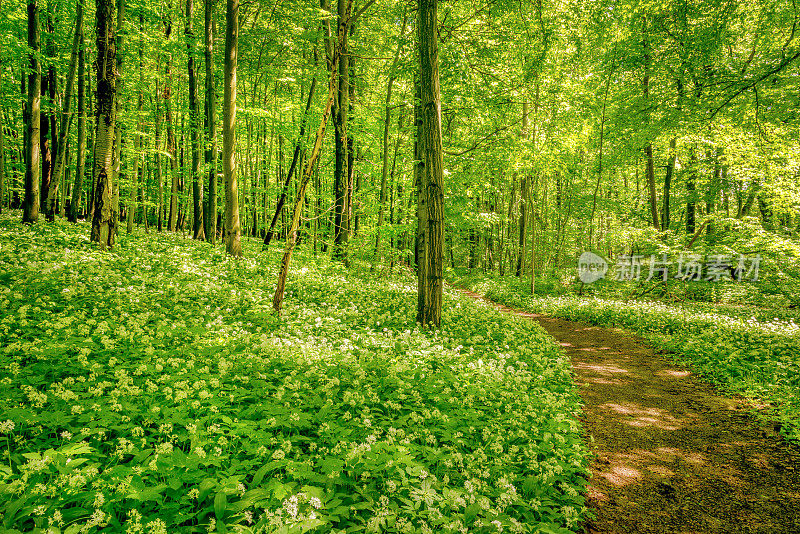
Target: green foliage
point(152, 389)
point(746, 353)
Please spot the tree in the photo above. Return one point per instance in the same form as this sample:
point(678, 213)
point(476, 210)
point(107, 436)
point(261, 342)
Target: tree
point(195, 126)
point(291, 239)
point(66, 116)
point(430, 188)
point(77, 188)
point(210, 211)
point(103, 230)
point(233, 227)
point(30, 212)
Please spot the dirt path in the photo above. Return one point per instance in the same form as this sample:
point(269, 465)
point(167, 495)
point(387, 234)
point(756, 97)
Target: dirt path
point(672, 455)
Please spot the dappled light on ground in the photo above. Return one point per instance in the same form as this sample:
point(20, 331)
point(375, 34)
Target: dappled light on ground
point(672, 455)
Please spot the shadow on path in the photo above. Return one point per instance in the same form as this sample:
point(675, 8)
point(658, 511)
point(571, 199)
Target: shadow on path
point(671, 454)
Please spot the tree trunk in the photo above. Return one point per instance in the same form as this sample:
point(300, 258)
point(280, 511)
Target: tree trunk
point(233, 227)
point(66, 115)
point(211, 125)
point(158, 148)
point(172, 147)
point(430, 277)
point(341, 173)
point(102, 220)
point(30, 212)
point(48, 117)
point(117, 162)
point(138, 172)
point(194, 123)
point(291, 239)
point(690, 193)
point(80, 168)
point(668, 184)
point(648, 150)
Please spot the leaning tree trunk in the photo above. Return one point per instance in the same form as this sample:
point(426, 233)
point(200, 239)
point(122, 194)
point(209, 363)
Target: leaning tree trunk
point(291, 239)
point(429, 311)
point(233, 227)
point(30, 210)
point(105, 119)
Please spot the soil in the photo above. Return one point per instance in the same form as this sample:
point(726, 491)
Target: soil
point(670, 453)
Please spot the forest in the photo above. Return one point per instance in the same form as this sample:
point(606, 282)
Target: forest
point(399, 266)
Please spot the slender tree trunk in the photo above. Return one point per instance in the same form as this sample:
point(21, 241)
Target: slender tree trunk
point(291, 239)
point(172, 147)
point(48, 117)
point(195, 125)
point(117, 162)
point(80, 168)
point(158, 148)
point(233, 227)
point(430, 278)
point(341, 173)
point(138, 173)
point(30, 212)
point(667, 184)
point(211, 125)
point(103, 220)
point(648, 150)
point(386, 122)
point(66, 115)
point(690, 193)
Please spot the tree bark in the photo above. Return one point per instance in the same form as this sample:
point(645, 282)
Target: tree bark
point(233, 227)
point(429, 288)
point(30, 213)
point(172, 147)
point(102, 219)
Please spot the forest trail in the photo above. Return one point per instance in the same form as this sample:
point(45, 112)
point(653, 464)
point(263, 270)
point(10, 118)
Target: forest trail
point(671, 454)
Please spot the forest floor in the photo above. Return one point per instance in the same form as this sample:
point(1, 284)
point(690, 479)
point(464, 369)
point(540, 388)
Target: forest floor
point(670, 453)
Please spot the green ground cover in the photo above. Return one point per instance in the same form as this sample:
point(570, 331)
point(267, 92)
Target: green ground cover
point(151, 390)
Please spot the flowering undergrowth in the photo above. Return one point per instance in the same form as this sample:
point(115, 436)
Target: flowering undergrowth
point(151, 390)
point(751, 355)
